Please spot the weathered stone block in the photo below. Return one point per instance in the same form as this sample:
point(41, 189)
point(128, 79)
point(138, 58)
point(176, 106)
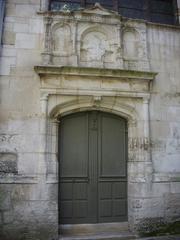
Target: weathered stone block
point(29, 231)
point(26, 10)
point(26, 58)
point(8, 163)
point(5, 65)
point(172, 205)
point(11, 9)
point(8, 38)
point(5, 198)
point(21, 27)
point(8, 52)
point(28, 164)
point(170, 162)
point(175, 187)
point(8, 217)
point(9, 26)
point(36, 25)
point(159, 189)
point(26, 41)
point(22, 192)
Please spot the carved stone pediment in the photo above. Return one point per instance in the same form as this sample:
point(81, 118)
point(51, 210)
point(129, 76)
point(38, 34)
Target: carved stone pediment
point(98, 9)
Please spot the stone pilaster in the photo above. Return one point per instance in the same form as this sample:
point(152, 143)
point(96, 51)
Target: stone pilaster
point(43, 135)
point(147, 152)
point(146, 118)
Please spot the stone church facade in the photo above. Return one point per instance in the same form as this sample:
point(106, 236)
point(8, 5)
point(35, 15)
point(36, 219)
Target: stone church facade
point(54, 64)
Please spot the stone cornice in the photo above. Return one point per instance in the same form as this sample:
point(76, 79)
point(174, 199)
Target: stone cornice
point(45, 70)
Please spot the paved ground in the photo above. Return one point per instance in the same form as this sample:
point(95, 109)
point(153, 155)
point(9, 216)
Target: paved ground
point(177, 237)
point(112, 237)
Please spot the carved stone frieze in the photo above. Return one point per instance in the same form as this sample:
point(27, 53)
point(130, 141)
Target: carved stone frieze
point(5, 138)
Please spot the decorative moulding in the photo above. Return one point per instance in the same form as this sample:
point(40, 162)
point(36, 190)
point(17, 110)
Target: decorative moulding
point(45, 70)
point(104, 82)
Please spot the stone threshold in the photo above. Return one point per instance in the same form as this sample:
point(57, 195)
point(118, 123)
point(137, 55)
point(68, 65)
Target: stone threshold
point(96, 231)
point(101, 236)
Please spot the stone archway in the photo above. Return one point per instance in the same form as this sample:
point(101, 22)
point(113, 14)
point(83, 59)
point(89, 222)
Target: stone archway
point(124, 93)
point(137, 145)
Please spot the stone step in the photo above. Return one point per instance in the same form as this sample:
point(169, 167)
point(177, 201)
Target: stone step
point(102, 231)
point(100, 236)
point(76, 229)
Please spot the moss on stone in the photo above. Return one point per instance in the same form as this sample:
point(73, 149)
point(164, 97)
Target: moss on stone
point(157, 227)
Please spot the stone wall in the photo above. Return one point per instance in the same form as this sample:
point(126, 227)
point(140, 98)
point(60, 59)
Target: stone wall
point(28, 207)
point(164, 53)
point(30, 105)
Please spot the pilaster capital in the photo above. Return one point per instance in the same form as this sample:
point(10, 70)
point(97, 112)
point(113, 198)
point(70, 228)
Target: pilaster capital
point(146, 99)
point(56, 121)
point(44, 97)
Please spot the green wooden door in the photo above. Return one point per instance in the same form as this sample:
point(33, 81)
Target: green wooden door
point(93, 174)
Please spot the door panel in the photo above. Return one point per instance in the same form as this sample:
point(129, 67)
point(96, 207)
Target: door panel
point(74, 165)
point(112, 168)
point(112, 160)
point(93, 181)
point(93, 170)
point(74, 148)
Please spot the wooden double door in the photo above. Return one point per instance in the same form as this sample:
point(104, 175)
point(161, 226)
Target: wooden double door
point(93, 171)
